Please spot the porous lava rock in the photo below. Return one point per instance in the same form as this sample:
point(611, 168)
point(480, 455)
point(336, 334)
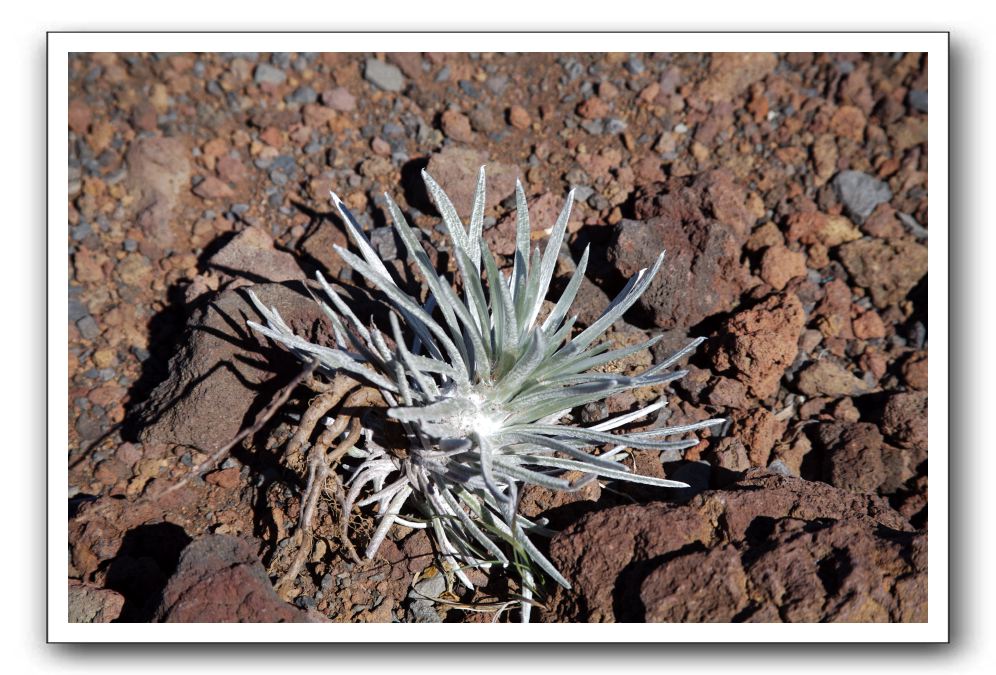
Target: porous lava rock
point(887, 269)
point(702, 222)
point(904, 419)
point(88, 604)
point(759, 344)
point(852, 455)
point(768, 548)
point(730, 73)
point(219, 579)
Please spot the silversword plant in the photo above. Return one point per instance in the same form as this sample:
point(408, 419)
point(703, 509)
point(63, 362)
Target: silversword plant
point(483, 388)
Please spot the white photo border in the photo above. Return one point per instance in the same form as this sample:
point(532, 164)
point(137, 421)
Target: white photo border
point(935, 44)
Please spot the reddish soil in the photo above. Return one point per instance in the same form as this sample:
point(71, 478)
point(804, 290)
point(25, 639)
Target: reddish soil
point(790, 191)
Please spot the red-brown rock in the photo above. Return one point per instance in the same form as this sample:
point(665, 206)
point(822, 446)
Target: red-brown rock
point(225, 478)
point(829, 378)
point(701, 587)
point(702, 223)
point(543, 213)
point(915, 371)
point(219, 579)
point(593, 108)
point(759, 430)
point(456, 169)
point(852, 457)
point(213, 188)
point(869, 326)
point(775, 549)
point(320, 247)
point(158, 172)
point(730, 454)
point(813, 227)
point(760, 343)
point(779, 265)
point(231, 169)
point(518, 117)
point(887, 269)
point(905, 419)
point(252, 254)
point(457, 126)
point(217, 373)
point(88, 604)
point(730, 73)
point(80, 116)
point(340, 99)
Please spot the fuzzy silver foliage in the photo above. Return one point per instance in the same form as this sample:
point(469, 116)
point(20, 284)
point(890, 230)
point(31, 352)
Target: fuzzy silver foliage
point(480, 385)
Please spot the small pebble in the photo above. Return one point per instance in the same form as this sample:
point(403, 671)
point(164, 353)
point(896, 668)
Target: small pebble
point(469, 89)
point(383, 75)
point(88, 327)
point(302, 95)
point(615, 126)
point(81, 231)
point(582, 193)
point(305, 602)
point(593, 127)
point(267, 74)
point(860, 193)
point(917, 99)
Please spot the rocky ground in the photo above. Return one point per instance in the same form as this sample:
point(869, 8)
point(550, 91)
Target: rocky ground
point(789, 190)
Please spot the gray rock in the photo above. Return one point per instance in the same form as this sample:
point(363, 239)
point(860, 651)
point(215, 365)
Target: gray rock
point(913, 227)
point(582, 192)
point(917, 99)
point(860, 193)
point(421, 608)
point(384, 75)
point(635, 65)
point(383, 241)
point(593, 127)
point(88, 327)
point(422, 611)
point(267, 74)
point(429, 587)
point(671, 455)
point(77, 308)
point(88, 604)
point(496, 84)
point(615, 126)
point(81, 231)
point(303, 95)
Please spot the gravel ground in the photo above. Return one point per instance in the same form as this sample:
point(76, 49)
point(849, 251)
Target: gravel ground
point(789, 189)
